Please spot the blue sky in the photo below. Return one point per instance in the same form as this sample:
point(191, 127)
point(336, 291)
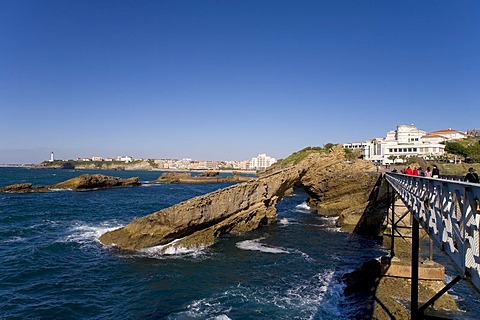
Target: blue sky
point(227, 80)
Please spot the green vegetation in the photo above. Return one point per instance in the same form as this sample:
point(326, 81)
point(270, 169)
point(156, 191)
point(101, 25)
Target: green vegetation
point(457, 169)
point(298, 156)
point(71, 164)
point(468, 149)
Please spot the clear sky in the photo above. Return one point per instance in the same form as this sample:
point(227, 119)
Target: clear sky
point(227, 80)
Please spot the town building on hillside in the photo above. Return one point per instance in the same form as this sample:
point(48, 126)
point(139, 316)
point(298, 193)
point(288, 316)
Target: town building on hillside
point(261, 162)
point(125, 159)
point(473, 132)
point(407, 141)
point(450, 134)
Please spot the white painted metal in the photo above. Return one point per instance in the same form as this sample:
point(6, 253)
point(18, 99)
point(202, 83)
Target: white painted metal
point(449, 212)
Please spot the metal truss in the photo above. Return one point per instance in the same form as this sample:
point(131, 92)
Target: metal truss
point(449, 212)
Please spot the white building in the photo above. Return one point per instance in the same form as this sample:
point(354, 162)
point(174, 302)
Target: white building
point(125, 159)
point(262, 161)
point(406, 141)
point(52, 157)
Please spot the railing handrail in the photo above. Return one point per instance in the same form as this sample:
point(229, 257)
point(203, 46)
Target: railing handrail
point(448, 211)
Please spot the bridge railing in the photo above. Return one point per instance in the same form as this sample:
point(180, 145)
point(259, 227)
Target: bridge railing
point(449, 212)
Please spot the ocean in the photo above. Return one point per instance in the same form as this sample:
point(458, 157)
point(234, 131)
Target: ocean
point(53, 266)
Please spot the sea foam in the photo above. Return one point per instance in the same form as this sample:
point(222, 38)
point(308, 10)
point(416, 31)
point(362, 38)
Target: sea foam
point(84, 233)
point(255, 245)
point(303, 207)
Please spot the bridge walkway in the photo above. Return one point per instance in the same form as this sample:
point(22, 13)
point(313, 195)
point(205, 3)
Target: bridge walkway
point(447, 211)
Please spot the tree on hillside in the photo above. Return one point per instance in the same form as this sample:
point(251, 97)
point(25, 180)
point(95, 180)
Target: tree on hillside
point(473, 153)
point(456, 148)
point(328, 146)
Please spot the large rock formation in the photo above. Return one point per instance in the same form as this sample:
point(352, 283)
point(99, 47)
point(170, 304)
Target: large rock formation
point(80, 183)
point(346, 189)
point(205, 177)
point(198, 221)
point(245, 206)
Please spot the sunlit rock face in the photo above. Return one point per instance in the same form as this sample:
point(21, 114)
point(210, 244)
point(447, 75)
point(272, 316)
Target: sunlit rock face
point(206, 177)
point(81, 183)
point(333, 184)
point(198, 221)
point(346, 189)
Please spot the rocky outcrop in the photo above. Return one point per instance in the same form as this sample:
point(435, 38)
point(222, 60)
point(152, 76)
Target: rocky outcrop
point(205, 177)
point(80, 183)
point(343, 188)
point(18, 188)
point(245, 206)
point(198, 221)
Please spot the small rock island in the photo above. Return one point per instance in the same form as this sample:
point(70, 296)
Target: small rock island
point(81, 183)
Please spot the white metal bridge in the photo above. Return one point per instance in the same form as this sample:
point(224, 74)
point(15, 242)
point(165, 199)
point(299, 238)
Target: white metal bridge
point(449, 212)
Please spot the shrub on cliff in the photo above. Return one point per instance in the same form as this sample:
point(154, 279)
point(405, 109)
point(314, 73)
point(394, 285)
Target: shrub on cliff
point(298, 156)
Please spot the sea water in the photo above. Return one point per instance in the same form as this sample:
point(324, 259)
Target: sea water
point(53, 266)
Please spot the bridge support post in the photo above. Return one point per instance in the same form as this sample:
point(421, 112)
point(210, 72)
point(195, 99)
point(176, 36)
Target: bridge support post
point(415, 314)
point(393, 225)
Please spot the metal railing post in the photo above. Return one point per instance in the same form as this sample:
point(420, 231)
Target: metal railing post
point(415, 255)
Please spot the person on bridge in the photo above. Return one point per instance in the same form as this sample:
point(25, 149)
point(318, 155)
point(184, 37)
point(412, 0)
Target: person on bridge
point(428, 173)
point(415, 171)
point(408, 171)
point(435, 171)
point(471, 176)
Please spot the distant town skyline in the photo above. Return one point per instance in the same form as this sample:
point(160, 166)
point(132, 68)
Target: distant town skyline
point(229, 80)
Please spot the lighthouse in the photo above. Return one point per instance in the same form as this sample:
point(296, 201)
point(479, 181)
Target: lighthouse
point(51, 157)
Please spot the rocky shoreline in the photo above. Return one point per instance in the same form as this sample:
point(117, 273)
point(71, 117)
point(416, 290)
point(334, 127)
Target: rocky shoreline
point(335, 187)
point(204, 177)
point(352, 190)
point(81, 183)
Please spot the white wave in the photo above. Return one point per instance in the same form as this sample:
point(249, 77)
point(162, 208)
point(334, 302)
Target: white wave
point(329, 218)
point(84, 233)
point(14, 240)
point(303, 206)
point(315, 298)
point(255, 245)
point(334, 230)
point(205, 309)
point(304, 255)
point(171, 249)
point(283, 221)
point(221, 317)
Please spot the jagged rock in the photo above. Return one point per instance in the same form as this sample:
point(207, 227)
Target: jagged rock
point(95, 181)
point(173, 177)
point(80, 183)
point(245, 206)
point(210, 177)
point(198, 221)
point(17, 188)
point(209, 174)
point(341, 188)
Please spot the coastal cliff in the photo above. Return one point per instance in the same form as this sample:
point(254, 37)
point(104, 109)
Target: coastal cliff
point(198, 221)
point(353, 190)
point(245, 206)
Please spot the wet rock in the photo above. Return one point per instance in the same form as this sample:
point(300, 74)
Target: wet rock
point(246, 206)
point(206, 177)
point(80, 183)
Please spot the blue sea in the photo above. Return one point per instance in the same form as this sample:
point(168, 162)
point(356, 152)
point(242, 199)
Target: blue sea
point(53, 266)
